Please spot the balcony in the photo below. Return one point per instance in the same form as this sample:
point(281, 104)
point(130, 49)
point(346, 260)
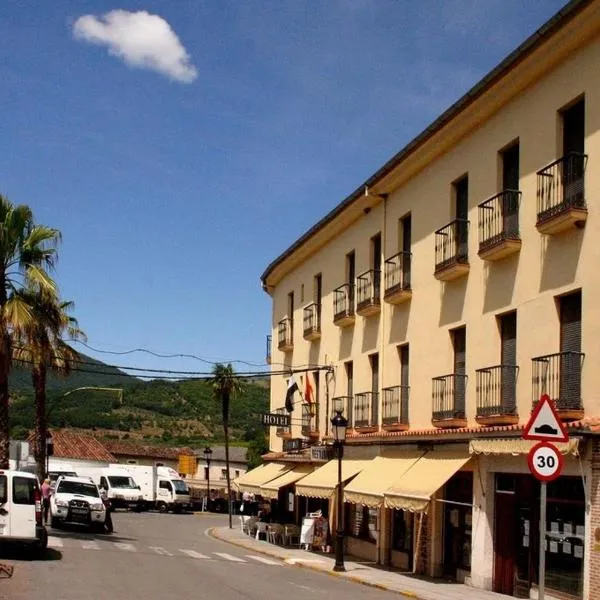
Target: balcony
point(312, 321)
point(559, 376)
point(561, 195)
point(449, 393)
point(368, 293)
point(285, 335)
point(452, 250)
point(268, 359)
point(497, 395)
point(344, 405)
point(365, 412)
point(395, 408)
point(283, 432)
point(397, 278)
point(499, 226)
point(310, 427)
point(343, 305)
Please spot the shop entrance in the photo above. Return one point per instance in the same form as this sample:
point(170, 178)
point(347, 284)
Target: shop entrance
point(458, 514)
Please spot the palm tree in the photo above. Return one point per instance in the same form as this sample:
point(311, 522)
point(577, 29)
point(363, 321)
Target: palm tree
point(40, 344)
point(225, 384)
point(27, 254)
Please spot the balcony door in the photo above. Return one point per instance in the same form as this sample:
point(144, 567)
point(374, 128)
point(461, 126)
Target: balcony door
point(404, 383)
point(374, 360)
point(376, 262)
point(510, 181)
point(508, 361)
point(570, 347)
point(406, 245)
point(459, 342)
point(351, 276)
point(573, 120)
point(350, 392)
point(461, 213)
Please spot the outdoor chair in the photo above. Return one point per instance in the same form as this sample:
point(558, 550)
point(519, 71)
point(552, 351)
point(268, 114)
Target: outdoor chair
point(261, 529)
point(249, 525)
point(291, 533)
point(276, 532)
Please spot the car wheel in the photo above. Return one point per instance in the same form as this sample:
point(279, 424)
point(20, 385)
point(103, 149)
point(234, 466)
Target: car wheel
point(162, 507)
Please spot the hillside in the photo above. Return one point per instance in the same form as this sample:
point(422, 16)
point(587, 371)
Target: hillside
point(168, 412)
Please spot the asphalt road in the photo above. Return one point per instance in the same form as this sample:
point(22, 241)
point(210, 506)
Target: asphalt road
point(157, 557)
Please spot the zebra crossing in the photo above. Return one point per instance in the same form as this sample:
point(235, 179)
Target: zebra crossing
point(67, 543)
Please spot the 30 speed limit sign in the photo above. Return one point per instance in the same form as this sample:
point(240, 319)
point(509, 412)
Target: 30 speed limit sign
point(545, 461)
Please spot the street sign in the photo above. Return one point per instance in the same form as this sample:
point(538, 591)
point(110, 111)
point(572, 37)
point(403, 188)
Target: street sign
point(293, 445)
point(275, 420)
point(544, 424)
point(545, 461)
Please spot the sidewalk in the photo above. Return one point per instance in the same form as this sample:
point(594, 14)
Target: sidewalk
point(358, 572)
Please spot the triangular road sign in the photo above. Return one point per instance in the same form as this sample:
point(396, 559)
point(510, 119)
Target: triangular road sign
point(544, 424)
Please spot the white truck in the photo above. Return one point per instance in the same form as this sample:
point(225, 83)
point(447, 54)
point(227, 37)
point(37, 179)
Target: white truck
point(121, 488)
point(162, 488)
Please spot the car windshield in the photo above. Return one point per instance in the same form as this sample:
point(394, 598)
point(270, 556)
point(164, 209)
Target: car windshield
point(77, 487)
point(121, 481)
point(180, 487)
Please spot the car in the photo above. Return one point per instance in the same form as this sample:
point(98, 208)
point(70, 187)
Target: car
point(77, 500)
point(21, 519)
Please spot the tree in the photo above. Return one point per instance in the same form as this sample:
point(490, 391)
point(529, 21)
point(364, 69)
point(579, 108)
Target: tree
point(40, 343)
point(225, 385)
point(27, 254)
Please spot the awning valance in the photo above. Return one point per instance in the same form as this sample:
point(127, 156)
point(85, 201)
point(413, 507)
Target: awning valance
point(322, 482)
point(517, 446)
point(271, 489)
point(369, 485)
point(414, 489)
point(253, 480)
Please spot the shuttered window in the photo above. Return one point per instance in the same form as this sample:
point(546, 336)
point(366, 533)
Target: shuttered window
point(570, 347)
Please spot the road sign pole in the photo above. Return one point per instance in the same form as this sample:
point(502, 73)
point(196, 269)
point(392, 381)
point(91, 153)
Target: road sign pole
point(542, 567)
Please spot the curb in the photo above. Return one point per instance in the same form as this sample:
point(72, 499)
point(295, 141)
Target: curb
point(212, 532)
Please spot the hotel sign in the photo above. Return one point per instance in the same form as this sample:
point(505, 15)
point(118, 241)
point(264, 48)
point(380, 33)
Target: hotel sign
point(275, 420)
point(321, 452)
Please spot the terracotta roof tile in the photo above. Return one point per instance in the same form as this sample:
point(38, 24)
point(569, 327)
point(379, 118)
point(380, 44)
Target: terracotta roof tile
point(68, 444)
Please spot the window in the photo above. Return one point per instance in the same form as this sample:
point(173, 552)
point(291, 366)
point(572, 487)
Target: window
point(132, 462)
point(573, 128)
point(402, 531)
point(165, 485)
point(302, 292)
point(362, 522)
point(122, 481)
point(205, 473)
point(237, 473)
point(103, 483)
point(350, 267)
point(3, 489)
point(223, 473)
point(77, 487)
point(406, 233)
point(23, 490)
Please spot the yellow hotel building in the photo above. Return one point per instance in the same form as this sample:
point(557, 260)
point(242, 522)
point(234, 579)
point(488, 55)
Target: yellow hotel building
point(434, 306)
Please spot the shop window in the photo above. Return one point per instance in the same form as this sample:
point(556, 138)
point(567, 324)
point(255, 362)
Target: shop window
point(402, 530)
point(362, 522)
point(458, 523)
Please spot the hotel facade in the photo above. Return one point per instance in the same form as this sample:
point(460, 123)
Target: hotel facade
point(433, 307)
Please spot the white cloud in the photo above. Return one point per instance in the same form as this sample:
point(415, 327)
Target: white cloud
point(141, 39)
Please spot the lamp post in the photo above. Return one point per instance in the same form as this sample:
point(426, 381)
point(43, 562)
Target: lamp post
point(207, 456)
point(49, 450)
point(339, 425)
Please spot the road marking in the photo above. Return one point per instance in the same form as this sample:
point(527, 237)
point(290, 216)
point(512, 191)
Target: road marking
point(295, 561)
point(229, 557)
point(125, 547)
point(194, 554)
point(90, 546)
point(160, 550)
point(266, 561)
point(55, 542)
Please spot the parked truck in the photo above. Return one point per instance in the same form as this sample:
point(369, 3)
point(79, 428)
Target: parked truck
point(161, 487)
point(121, 488)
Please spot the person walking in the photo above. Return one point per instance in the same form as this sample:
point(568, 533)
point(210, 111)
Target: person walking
point(46, 493)
point(108, 524)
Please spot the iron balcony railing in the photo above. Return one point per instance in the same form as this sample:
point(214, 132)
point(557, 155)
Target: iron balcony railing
point(268, 355)
point(309, 421)
point(282, 430)
point(499, 219)
point(452, 244)
point(560, 186)
point(496, 389)
point(395, 405)
point(559, 376)
point(312, 319)
point(344, 405)
point(365, 409)
point(368, 288)
point(285, 333)
point(397, 272)
point(449, 393)
point(343, 301)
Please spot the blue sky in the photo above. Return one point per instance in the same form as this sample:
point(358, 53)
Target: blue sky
point(175, 186)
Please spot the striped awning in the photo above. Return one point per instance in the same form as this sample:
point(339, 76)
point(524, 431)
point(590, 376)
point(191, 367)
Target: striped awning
point(322, 482)
point(517, 446)
point(271, 489)
point(252, 481)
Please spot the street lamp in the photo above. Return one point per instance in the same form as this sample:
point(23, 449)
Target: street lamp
point(339, 425)
point(49, 450)
point(207, 456)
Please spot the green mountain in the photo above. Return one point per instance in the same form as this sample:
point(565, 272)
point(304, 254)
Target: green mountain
point(170, 412)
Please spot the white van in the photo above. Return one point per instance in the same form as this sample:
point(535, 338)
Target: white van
point(21, 510)
point(121, 488)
